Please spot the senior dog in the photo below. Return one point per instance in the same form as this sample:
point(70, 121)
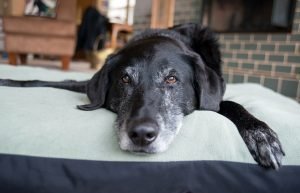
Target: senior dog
point(155, 80)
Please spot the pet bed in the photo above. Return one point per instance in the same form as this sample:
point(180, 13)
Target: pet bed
point(47, 145)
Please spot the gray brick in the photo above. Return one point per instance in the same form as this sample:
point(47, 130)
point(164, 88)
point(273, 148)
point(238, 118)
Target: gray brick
point(194, 3)
point(267, 47)
point(285, 69)
point(276, 58)
point(235, 46)
point(244, 37)
point(220, 36)
point(296, 27)
point(297, 15)
point(271, 83)
point(254, 79)
point(250, 46)
point(227, 55)
point(297, 70)
point(289, 88)
point(295, 37)
point(242, 56)
point(258, 56)
point(287, 48)
point(228, 37)
point(260, 37)
point(264, 67)
point(222, 45)
point(232, 64)
point(295, 59)
point(237, 78)
point(248, 65)
point(278, 37)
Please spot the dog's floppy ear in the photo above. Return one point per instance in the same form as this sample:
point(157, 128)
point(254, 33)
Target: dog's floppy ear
point(97, 88)
point(208, 85)
point(206, 60)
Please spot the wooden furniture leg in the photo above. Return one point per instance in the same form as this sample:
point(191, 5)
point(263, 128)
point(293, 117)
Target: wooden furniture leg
point(23, 58)
point(115, 29)
point(65, 60)
point(114, 36)
point(12, 58)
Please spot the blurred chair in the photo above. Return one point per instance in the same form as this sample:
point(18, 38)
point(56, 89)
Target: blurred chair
point(39, 35)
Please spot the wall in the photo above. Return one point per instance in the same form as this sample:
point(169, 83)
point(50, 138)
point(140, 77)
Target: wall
point(15, 7)
point(142, 15)
point(183, 13)
point(270, 59)
point(187, 11)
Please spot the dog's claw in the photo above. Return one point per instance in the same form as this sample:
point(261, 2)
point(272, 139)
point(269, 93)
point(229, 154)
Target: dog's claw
point(264, 146)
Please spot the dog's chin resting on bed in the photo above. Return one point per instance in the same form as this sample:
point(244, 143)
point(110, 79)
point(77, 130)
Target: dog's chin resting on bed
point(155, 80)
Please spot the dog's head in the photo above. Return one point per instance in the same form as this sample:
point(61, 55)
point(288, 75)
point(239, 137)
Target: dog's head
point(156, 79)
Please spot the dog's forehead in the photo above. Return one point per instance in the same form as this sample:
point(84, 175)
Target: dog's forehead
point(152, 59)
point(157, 53)
point(150, 48)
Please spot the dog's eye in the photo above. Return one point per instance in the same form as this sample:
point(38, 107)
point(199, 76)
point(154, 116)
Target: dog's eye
point(126, 79)
point(171, 80)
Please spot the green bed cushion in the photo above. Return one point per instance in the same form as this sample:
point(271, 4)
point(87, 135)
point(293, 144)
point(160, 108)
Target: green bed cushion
point(45, 122)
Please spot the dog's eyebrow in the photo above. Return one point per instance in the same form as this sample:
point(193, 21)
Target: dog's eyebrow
point(132, 71)
point(169, 71)
point(165, 71)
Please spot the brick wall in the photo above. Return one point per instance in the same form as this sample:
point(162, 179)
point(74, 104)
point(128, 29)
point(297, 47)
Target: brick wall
point(271, 59)
point(187, 11)
point(142, 15)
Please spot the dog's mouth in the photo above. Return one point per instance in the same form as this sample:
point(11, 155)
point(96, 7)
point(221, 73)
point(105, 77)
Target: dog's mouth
point(160, 144)
point(148, 137)
point(142, 152)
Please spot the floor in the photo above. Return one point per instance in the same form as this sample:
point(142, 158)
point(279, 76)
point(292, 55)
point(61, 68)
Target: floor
point(75, 66)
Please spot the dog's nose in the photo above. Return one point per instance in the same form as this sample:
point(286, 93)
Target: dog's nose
point(143, 135)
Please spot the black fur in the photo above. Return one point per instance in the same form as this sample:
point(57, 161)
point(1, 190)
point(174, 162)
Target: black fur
point(137, 83)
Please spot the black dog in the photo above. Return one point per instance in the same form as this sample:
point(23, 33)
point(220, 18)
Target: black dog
point(156, 79)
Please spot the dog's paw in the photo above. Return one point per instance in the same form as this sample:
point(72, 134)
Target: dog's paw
point(264, 146)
